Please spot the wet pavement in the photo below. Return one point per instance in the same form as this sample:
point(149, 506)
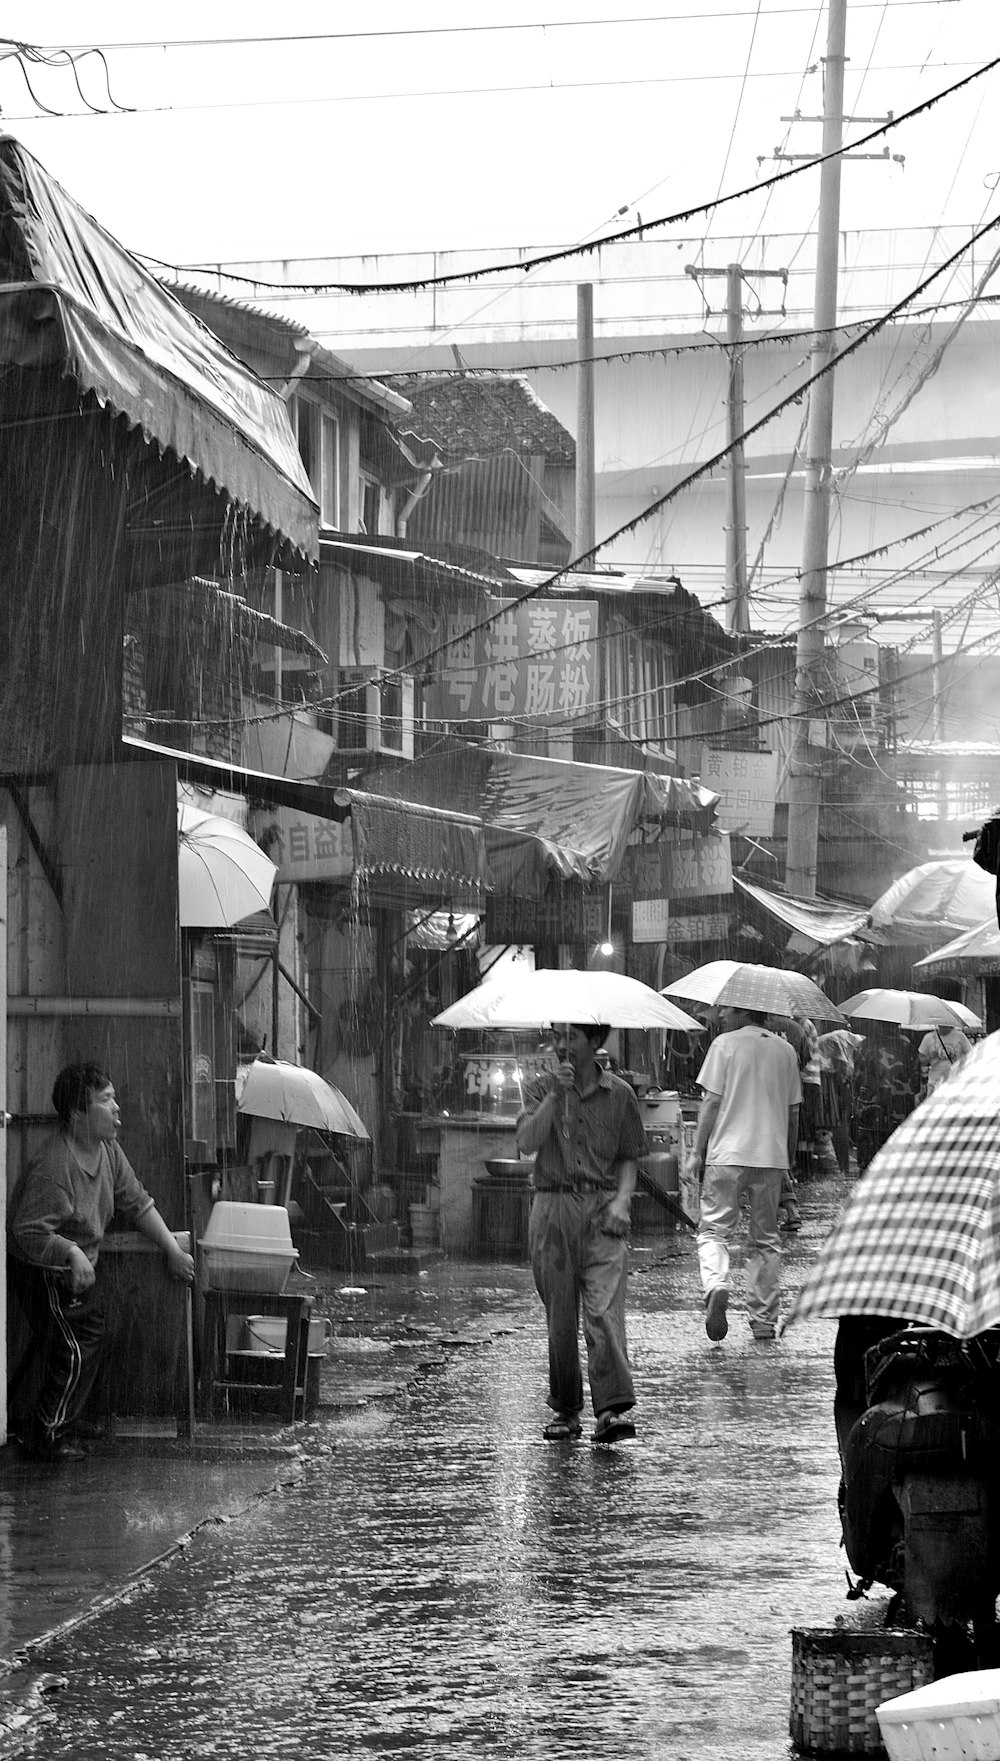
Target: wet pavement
point(430, 1577)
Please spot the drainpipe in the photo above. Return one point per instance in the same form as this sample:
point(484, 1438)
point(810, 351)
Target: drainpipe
point(305, 348)
point(416, 494)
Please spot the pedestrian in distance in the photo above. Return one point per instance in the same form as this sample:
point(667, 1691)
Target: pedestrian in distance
point(745, 1143)
point(59, 1214)
point(584, 1127)
point(939, 1052)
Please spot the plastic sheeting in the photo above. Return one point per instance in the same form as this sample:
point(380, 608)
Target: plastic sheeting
point(72, 294)
point(948, 895)
point(546, 816)
point(820, 923)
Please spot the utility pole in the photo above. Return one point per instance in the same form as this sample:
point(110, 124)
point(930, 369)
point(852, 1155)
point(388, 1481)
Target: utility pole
point(737, 602)
point(805, 777)
point(585, 527)
point(937, 686)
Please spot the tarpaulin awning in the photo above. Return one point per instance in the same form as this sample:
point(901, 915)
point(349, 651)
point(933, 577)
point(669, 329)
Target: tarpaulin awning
point(395, 565)
point(974, 954)
point(545, 816)
point(217, 606)
point(416, 842)
point(823, 924)
point(437, 848)
point(936, 898)
point(72, 294)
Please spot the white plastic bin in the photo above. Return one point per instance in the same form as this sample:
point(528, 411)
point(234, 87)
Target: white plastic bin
point(269, 1333)
point(954, 1719)
point(247, 1247)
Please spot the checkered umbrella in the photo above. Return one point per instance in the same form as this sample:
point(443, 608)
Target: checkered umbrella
point(920, 1237)
point(741, 984)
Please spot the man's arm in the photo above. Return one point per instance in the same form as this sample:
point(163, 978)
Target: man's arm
point(707, 1116)
point(621, 1205)
point(541, 1115)
point(179, 1264)
point(793, 1133)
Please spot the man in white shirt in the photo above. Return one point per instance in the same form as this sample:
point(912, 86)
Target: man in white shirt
point(939, 1051)
point(747, 1132)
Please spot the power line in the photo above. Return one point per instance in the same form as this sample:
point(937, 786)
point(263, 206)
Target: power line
point(639, 231)
point(468, 30)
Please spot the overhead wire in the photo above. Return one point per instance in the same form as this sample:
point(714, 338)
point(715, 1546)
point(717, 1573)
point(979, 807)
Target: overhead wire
point(566, 253)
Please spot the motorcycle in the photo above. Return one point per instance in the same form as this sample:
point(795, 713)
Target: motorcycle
point(919, 1502)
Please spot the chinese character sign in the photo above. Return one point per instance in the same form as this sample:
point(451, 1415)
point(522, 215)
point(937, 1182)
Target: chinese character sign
point(310, 848)
point(747, 783)
point(538, 659)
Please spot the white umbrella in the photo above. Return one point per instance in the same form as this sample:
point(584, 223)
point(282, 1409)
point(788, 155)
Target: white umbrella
point(273, 1089)
point(741, 984)
point(222, 875)
point(538, 999)
point(911, 1009)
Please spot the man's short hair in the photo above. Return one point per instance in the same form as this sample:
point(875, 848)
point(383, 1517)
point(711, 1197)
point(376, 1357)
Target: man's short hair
point(595, 1032)
point(74, 1086)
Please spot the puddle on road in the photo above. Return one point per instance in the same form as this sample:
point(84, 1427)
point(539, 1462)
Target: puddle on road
point(447, 1583)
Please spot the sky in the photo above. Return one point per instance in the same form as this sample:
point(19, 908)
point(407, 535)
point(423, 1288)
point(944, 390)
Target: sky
point(370, 132)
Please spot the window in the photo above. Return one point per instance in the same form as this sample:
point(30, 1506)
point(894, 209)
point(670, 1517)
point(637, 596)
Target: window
point(329, 474)
point(369, 504)
point(318, 435)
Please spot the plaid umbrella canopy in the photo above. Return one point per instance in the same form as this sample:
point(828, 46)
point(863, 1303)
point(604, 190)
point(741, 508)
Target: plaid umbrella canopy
point(920, 1237)
point(740, 984)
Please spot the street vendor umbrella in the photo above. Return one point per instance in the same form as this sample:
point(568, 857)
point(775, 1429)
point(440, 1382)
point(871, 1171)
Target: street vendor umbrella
point(740, 984)
point(538, 999)
point(273, 1089)
point(222, 875)
point(902, 1009)
point(920, 1237)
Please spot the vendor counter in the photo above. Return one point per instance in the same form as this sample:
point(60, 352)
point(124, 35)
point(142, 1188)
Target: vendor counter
point(465, 1141)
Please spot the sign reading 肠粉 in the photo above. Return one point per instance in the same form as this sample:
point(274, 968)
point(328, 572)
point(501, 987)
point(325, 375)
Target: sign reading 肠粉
point(537, 659)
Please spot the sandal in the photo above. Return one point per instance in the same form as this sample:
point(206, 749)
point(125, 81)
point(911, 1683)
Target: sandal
point(613, 1427)
point(562, 1429)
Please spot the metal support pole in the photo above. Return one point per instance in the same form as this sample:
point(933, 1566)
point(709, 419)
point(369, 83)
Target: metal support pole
point(585, 526)
point(937, 686)
point(805, 776)
point(737, 609)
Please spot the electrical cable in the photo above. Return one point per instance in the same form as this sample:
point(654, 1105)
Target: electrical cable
point(568, 252)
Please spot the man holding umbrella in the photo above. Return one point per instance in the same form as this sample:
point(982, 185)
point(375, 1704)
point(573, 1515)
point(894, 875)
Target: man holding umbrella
point(747, 1131)
point(584, 1127)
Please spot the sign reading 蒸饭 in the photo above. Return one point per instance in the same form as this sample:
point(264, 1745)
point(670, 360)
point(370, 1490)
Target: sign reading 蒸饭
point(538, 659)
point(747, 783)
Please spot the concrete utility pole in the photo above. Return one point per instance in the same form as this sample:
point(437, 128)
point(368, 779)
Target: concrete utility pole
point(737, 602)
point(805, 777)
point(585, 527)
point(937, 686)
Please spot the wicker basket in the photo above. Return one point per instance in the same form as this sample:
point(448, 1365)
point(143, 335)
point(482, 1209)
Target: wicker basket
point(840, 1677)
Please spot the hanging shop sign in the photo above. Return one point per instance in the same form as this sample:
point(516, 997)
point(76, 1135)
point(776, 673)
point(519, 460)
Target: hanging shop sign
point(538, 659)
point(700, 926)
point(650, 920)
point(565, 914)
point(688, 867)
point(307, 848)
point(747, 786)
